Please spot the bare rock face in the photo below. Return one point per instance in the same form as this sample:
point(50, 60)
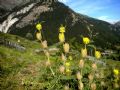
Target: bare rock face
point(35, 12)
point(11, 4)
point(11, 19)
point(7, 6)
point(25, 15)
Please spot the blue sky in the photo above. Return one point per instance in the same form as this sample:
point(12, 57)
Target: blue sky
point(107, 10)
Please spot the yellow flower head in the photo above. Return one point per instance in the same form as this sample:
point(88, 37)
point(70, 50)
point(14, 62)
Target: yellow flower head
point(68, 71)
point(97, 54)
point(39, 26)
point(61, 37)
point(62, 29)
point(116, 71)
point(86, 40)
point(38, 36)
point(67, 64)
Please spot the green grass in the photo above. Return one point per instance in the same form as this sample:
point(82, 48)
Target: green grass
point(13, 62)
point(25, 70)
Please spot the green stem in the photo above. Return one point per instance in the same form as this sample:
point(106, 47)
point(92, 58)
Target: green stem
point(81, 74)
point(56, 82)
point(52, 71)
point(65, 59)
point(85, 46)
point(51, 67)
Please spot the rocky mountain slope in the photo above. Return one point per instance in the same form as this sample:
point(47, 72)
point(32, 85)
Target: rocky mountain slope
point(21, 18)
point(117, 26)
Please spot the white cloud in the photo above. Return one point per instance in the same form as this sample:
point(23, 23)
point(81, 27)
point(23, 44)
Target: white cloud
point(106, 18)
point(103, 17)
point(64, 1)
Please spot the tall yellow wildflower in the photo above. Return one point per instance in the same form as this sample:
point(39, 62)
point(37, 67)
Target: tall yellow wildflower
point(62, 29)
point(97, 54)
point(39, 26)
point(61, 37)
point(116, 71)
point(86, 40)
point(67, 64)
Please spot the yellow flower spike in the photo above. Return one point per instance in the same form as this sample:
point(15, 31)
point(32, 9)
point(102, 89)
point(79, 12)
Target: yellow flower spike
point(70, 58)
point(79, 76)
point(81, 86)
point(62, 29)
point(68, 71)
point(66, 47)
point(44, 44)
point(66, 87)
point(38, 35)
point(116, 85)
point(39, 26)
point(62, 69)
point(81, 63)
point(90, 77)
point(86, 40)
point(97, 54)
point(67, 64)
point(63, 57)
point(61, 37)
point(116, 72)
point(94, 66)
point(93, 86)
point(84, 52)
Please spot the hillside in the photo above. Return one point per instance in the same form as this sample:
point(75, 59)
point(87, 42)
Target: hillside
point(117, 26)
